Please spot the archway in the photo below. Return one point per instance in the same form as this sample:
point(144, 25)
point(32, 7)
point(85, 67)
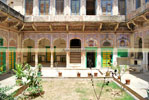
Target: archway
point(3, 43)
point(44, 54)
point(12, 54)
point(28, 55)
point(75, 55)
point(59, 53)
point(107, 53)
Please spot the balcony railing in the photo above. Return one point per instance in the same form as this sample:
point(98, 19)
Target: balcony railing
point(8, 10)
point(138, 11)
point(74, 18)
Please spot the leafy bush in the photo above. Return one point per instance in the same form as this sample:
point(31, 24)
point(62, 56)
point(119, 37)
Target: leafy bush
point(19, 71)
point(3, 95)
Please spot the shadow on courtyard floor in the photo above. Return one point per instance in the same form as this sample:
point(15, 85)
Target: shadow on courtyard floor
point(5, 76)
point(144, 76)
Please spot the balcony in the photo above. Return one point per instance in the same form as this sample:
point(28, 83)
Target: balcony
point(138, 11)
point(74, 18)
point(10, 12)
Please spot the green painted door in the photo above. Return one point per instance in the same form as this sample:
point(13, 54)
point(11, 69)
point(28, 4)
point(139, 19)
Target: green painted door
point(122, 52)
point(107, 57)
point(12, 58)
point(91, 51)
point(2, 60)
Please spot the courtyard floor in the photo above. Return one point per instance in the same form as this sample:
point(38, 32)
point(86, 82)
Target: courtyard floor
point(81, 89)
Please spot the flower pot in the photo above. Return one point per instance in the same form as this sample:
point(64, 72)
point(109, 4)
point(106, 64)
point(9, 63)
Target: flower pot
point(60, 74)
point(108, 73)
point(95, 74)
point(89, 75)
point(78, 74)
point(119, 77)
point(19, 82)
point(127, 81)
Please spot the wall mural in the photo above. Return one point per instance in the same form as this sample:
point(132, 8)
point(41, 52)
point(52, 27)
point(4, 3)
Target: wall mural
point(123, 40)
point(107, 40)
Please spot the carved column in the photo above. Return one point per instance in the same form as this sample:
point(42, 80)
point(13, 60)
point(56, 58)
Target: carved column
point(83, 60)
point(67, 59)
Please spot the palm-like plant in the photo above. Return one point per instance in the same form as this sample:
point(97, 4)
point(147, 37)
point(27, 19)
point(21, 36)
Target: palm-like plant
point(19, 71)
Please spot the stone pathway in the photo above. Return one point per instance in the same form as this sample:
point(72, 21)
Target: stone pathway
point(137, 84)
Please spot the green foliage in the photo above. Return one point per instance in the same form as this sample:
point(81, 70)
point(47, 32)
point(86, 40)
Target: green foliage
point(126, 97)
point(3, 95)
point(19, 71)
point(35, 86)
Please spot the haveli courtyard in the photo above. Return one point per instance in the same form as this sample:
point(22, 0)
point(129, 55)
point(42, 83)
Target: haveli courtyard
point(74, 49)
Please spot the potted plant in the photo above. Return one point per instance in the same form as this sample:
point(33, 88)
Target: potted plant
point(89, 74)
point(19, 71)
point(60, 74)
point(95, 74)
point(78, 74)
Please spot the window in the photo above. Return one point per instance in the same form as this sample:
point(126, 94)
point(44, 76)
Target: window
point(59, 7)
point(75, 7)
point(28, 7)
point(90, 7)
point(106, 6)
point(146, 1)
point(138, 3)
point(44, 6)
point(122, 7)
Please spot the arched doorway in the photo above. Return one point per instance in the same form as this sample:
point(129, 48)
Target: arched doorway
point(59, 53)
point(12, 54)
point(44, 54)
point(3, 43)
point(75, 53)
point(107, 54)
point(28, 55)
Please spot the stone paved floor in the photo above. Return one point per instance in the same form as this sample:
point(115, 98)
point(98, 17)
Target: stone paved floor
point(139, 81)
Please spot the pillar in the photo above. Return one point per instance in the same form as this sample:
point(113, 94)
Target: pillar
point(67, 7)
point(52, 52)
point(67, 59)
point(98, 58)
point(52, 7)
point(36, 58)
point(7, 59)
point(83, 59)
point(114, 56)
point(98, 7)
point(82, 7)
point(35, 7)
point(115, 7)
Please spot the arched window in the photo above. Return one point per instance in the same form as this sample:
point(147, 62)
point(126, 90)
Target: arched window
point(75, 7)
point(106, 44)
point(59, 7)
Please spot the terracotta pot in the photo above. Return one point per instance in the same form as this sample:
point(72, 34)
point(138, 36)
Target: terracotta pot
point(78, 74)
point(89, 74)
point(107, 73)
point(95, 74)
point(60, 74)
point(127, 81)
point(119, 77)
